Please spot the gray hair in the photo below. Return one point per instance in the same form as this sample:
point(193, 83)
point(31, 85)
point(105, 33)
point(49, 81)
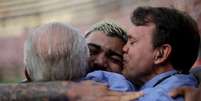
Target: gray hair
point(109, 28)
point(56, 51)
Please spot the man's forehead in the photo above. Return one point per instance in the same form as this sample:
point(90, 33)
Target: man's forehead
point(96, 35)
point(105, 48)
point(103, 38)
point(140, 31)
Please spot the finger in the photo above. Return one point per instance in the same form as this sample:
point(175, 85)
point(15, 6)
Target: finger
point(180, 91)
point(131, 96)
point(176, 92)
point(88, 82)
point(109, 98)
point(115, 93)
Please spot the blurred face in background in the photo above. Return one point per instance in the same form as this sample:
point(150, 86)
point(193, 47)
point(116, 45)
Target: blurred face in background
point(105, 52)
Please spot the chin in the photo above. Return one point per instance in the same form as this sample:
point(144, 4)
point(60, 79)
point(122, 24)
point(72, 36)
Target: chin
point(126, 74)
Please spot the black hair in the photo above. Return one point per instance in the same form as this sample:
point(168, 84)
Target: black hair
point(175, 28)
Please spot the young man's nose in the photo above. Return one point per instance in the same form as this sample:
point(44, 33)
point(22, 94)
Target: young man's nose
point(101, 59)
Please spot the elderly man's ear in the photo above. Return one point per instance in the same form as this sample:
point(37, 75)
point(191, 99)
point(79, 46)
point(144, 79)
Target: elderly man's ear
point(162, 53)
point(28, 79)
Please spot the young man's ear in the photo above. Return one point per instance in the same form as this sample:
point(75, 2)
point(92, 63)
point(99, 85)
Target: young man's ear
point(162, 53)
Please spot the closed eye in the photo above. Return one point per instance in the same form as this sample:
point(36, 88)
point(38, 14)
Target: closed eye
point(131, 40)
point(115, 57)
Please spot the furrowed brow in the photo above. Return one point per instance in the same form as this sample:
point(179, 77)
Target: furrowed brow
point(94, 45)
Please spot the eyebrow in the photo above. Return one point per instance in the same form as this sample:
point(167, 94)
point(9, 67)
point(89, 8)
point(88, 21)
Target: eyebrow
point(94, 45)
point(110, 51)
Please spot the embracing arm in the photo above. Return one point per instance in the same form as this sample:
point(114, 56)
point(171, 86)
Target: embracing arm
point(62, 90)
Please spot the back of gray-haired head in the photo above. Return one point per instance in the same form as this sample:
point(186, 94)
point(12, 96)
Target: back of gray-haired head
point(56, 51)
point(110, 29)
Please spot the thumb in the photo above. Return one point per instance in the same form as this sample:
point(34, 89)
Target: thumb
point(180, 91)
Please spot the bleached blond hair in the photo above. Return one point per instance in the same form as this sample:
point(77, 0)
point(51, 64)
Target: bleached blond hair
point(110, 28)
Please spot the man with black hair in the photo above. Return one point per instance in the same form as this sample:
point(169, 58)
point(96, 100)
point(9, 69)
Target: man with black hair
point(105, 41)
point(162, 46)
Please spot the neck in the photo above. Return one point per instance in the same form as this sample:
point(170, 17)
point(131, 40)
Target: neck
point(154, 72)
point(163, 69)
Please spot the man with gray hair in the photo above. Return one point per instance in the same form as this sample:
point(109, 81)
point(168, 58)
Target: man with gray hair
point(55, 51)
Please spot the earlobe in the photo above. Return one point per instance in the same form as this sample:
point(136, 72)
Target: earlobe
point(162, 53)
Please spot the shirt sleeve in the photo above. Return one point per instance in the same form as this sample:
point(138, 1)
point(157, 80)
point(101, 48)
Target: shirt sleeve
point(114, 81)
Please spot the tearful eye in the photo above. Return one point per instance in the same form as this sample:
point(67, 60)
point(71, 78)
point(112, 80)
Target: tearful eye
point(116, 59)
point(93, 51)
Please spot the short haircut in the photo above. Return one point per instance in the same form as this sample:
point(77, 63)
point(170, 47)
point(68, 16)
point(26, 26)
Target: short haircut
point(56, 51)
point(172, 27)
point(110, 29)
